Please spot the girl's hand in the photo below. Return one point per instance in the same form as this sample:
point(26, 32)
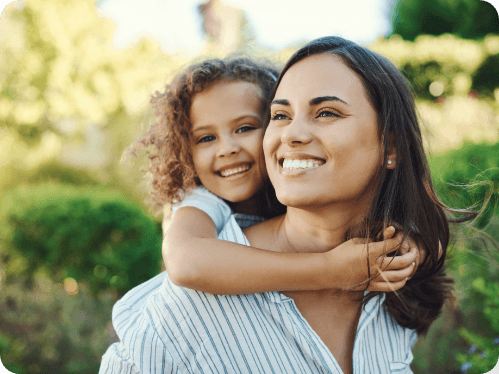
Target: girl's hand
point(387, 273)
point(420, 252)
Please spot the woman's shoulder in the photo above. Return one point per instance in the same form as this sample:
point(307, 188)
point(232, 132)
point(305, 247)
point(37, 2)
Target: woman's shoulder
point(261, 235)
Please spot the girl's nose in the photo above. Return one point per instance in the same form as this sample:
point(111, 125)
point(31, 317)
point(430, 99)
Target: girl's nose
point(296, 132)
point(228, 146)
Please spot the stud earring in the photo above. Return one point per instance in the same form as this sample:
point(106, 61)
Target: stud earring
point(389, 162)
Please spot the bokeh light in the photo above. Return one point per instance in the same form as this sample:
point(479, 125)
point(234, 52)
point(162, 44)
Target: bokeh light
point(71, 286)
point(100, 271)
point(437, 88)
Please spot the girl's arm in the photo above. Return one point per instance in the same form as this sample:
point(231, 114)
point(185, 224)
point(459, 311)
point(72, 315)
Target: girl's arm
point(196, 259)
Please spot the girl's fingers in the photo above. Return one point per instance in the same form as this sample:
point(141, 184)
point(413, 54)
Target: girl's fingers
point(406, 247)
point(385, 286)
point(378, 249)
point(396, 275)
point(388, 232)
point(398, 262)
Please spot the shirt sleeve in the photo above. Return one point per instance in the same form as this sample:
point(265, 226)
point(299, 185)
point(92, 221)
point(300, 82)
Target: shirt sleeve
point(139, 351)
point(215, 207)
point(156, 360)
point(113, 362)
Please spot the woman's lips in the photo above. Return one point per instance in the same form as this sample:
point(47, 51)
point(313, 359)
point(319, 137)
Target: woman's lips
point(301, 163)
point(289, 166)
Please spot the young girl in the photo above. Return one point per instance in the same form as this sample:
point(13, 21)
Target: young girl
point(206, 159)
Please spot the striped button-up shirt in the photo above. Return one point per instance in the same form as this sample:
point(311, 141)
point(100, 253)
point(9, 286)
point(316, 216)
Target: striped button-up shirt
point(168, 329)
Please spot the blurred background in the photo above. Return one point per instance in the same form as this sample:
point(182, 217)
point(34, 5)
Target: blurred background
point(75, 81)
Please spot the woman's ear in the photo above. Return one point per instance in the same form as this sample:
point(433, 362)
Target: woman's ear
point(392, 153)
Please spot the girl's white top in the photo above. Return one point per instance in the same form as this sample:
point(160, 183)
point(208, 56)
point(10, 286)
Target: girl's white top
point(164, 328)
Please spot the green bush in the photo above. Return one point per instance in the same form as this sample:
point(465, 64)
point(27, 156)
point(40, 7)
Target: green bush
point(465, 177)
point(462, 338)
point(67, 254)
point(467, 18)
point(46, 330)
point(486, 77)
point(476, 273)
point(87, 234)
point(456, 64)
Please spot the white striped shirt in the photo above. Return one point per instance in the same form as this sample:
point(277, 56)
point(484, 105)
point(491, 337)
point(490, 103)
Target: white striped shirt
point(168, 329)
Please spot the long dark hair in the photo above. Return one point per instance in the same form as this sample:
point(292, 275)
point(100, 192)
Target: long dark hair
point(405, 195)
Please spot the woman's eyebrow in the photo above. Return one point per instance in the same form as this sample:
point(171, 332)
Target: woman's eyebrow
point(321, 99)
point(280, 102)
point(312, 102)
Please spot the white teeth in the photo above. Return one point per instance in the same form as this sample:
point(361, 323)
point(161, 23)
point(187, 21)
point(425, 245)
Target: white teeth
point(229, 172)
point(301, 164)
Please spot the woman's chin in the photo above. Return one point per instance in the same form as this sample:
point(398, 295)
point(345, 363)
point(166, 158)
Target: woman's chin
point(297, 200)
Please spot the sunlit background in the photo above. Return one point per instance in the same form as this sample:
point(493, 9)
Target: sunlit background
point(75, 81)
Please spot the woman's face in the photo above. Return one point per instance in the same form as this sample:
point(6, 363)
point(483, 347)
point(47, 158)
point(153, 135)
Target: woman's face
point(321, 146)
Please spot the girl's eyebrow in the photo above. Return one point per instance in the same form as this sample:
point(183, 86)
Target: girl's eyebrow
point(311, 102)
point(240, 118)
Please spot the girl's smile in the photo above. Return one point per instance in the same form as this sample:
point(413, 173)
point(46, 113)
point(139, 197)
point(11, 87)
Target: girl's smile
point(226, 139)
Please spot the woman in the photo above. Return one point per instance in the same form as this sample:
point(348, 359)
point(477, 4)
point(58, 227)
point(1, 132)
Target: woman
point(350, 112)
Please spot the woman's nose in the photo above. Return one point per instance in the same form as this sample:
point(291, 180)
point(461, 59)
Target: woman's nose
point(228, 146)
point(296, 132)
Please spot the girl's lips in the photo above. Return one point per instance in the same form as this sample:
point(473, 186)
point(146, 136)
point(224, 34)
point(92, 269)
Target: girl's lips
point(235, 172)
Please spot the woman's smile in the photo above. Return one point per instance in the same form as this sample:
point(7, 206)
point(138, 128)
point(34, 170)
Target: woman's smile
point(322, 145)
point(299, 164)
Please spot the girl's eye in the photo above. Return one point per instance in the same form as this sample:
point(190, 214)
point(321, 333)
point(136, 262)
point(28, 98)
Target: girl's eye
point(245, 129)
point(327, 113)
point(278, 116)
point(206, 139)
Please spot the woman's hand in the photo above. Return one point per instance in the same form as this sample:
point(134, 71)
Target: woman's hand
point(386, 273)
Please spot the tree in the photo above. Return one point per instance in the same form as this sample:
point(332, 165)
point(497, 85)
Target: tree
point(61, 73)
point(468, 19)
point(61, 78)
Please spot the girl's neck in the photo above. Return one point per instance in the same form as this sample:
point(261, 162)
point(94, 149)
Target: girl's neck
point(252, 206)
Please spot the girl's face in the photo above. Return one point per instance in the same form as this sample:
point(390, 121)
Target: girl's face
point(226, 139)
point(322, 145)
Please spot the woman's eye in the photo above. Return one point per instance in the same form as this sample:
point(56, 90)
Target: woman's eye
point(245, 129)
point(206, 139)
point(328, 113)
point(278, 116)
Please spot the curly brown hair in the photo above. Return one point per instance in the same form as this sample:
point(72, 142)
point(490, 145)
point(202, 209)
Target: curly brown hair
point(167, 143)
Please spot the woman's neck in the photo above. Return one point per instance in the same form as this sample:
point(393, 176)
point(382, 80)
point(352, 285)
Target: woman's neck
point(316, 230)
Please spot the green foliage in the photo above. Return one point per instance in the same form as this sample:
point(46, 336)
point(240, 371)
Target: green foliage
point(479, 283)
point(46, 330)
point(456, 65)
point(62, 75)
point(464, 334)
point(486, 77)
point(469, 19)
point(56, 172)
point(467, 177)
point(87, 234)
